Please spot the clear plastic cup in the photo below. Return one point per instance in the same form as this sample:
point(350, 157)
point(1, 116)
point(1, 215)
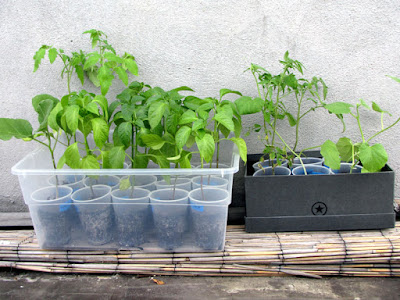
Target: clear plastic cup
point(147, 182)
point(267, 163)
point(132, 215)
point(209, 181)
point(95, 212)
point(50, 210)
point(170, 215)
point(109, 180)
point(277, 171)
point(307, 161)
point(312, 170)
point(177, 182)
point(209, 209)
point(73, 181)
point(345, 168)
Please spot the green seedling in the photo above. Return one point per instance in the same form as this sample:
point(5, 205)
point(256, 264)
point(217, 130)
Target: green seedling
point(373, 157)
point(100, 65)
point(22, 129)
point(273, 92)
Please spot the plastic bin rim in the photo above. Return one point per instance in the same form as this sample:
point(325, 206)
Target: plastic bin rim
point(17, 170)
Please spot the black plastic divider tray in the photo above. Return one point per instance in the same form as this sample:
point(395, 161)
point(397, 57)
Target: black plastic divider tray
point(318, 202)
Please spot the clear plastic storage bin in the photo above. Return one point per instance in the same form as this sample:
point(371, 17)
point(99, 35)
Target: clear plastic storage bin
point(85, 209)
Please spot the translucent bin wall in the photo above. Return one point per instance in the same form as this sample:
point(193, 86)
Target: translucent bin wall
point(87, 211)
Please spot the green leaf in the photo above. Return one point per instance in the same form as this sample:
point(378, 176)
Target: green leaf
point(124, 184)
point(373, 158)
point(205, 107)
point(376, 108)
point(156, 112)
point(394, 78)
point(182, 88)
point(105, 158)
point(206, 146)
point(172, 123)
point(100, 131)
point(125, 133)
point(331, 155)
point(93, 108)
point(203, 115)
point(92, 60)
point(131, 65)
point(238, 127)
point(52, 119)
point(182, 136)
point(193, 102)
point(224, 116)
point(61, 162)
point(199, 124)
point(141, 161)
point(37, 99)
point(102, 101)
point(190, 142)
point(225, 131)
point(363, 103)
point(92, 74)
point(345, 148)
point(72, 157)
point(39, 56)
point(339, 108)
point(292, 120)
point(79, 72)
point(105, 77)
point(241, 144)
point(52, 54)
point(90, 162)
point(290, 80)
point(44, 109)
point(246, 106)
point(72, 117)
point(188, 116)
point(223, 92)
point(122, 75)
point(112, 57)
point(174, 158)
point(17, 128)
point(153, 141)
point(117, 157)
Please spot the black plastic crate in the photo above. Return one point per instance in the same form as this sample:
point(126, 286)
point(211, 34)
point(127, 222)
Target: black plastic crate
point(318, 202)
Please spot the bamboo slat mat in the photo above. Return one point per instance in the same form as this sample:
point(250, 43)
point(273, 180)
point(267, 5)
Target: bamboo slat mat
point(312, 254)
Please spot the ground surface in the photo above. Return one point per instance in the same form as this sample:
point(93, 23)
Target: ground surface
point(31, 285)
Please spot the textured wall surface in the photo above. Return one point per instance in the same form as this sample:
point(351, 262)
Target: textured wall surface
point(207, 45)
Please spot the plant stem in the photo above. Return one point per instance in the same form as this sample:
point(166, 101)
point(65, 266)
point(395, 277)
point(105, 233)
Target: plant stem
point(91, 189)
point(275, 118)
point(359, 124)
point(397, 121)
point(298, 120)
point(294, 153)
point(173, 193)
point(132, 184)
point(258, 88)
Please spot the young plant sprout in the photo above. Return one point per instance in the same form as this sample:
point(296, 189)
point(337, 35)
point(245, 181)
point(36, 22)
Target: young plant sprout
point(273, 93)
point(372, 157)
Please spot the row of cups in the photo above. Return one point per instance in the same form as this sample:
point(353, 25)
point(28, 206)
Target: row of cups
point(167, 210)
point(148, 182)
point(312, 165)
point(104, 194)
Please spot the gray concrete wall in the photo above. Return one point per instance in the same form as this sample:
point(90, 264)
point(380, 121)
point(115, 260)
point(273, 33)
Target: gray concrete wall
point(206, 45)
